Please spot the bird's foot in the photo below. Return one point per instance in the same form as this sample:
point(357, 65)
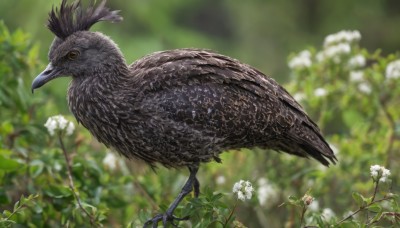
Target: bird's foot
point(164, 218)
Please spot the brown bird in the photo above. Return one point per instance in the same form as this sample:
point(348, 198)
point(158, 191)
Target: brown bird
point(177, 108)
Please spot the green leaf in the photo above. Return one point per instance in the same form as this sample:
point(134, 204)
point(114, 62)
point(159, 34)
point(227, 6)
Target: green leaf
point(58, 191)
point(7, 223)
point(375, 208)
point(358, 198)
point(8, 164)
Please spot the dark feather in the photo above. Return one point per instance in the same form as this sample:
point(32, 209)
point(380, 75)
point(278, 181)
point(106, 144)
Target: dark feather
point(71, 18)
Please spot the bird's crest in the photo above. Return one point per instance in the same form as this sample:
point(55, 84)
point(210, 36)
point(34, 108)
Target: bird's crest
point(70, 18)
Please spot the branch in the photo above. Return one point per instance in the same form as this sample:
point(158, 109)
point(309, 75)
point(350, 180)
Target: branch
point(362, 208)
point(71, 181)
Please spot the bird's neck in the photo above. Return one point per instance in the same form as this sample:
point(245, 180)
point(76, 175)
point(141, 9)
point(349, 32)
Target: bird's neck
point(92, 95)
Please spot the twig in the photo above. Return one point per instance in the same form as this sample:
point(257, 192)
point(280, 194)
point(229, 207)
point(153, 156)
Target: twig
point(303, 212)
point(362, 208)
point(375, 190)
point(71, 181)
point(230, 214)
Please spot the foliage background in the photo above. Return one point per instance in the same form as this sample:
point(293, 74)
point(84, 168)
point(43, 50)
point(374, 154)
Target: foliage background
point(261, 33)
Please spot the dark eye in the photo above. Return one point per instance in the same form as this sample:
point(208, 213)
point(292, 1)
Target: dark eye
point(72, 55)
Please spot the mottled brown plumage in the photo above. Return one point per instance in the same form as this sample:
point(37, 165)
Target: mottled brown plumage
point(175, 108)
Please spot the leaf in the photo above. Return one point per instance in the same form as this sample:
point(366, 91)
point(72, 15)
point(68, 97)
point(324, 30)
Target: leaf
point(375, 208)
point(377, 217)
point(358, 198)
point(7, 223)
point(8, 164)
point(58, 191)
point(216, 196)
point(16, 205)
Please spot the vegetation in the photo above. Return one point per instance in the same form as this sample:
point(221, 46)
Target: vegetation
point(350, 91)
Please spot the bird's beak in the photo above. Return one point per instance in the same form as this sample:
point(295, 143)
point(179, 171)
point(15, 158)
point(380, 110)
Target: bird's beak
point(48, 74)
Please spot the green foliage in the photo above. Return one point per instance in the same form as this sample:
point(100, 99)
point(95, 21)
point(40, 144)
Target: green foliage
point(361, 122)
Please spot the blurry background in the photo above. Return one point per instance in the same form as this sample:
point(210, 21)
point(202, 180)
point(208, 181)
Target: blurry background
point(261, 33)
point(258, 32)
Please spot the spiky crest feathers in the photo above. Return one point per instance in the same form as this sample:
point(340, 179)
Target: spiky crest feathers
point(70, 18)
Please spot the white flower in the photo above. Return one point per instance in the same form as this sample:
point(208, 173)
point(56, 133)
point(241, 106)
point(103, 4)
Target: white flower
point(110, 160)
point(314, 206)
point(320, 92)
point(333, 52)
point(302, 60)
point(356, 76)
point(327, 214)
point(70, 128)
point(244, 190)
point(385, 175)
point(365, 88)
point(59, 123)
point(385, 172)
point(357, 61)
point(342, 36)
point(393, 69)
point(336, 50)
point(374, 170)
point(266, 192)
point(299, 96)
point(220, 180)
point(379, 173)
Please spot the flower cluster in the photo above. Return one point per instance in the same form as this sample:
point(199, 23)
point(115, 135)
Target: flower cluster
point(302, 60)
point(393, 70)
point(357, 77)
point(59, 122)
point(379, 173)
point(357, 61)
point(344, 36)
point(339, 44)
point(244, 190)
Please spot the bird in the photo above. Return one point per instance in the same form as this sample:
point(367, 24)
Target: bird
point(176, 108)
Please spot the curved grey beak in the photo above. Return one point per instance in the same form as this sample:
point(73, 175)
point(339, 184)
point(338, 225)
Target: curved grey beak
point(48, 74)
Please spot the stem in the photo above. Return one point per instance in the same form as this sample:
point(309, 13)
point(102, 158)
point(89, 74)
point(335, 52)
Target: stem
point(375, 190)
point(14, 212)
point(362, 208)
point(230, 214)
point(71, 181)
point(303, 212)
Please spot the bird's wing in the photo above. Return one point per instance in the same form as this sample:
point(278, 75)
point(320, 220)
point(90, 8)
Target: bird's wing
point(182, 67)
point(218, 95)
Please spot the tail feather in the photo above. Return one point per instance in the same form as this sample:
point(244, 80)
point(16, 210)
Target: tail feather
point(307, 141)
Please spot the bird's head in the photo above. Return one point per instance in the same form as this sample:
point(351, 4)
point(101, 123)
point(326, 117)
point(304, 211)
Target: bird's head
point(75, 50)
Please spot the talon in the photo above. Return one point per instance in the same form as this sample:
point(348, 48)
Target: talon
point(165, 218)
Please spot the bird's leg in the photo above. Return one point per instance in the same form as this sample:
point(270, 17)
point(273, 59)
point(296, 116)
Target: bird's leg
point(196, 187)
point(168, 216)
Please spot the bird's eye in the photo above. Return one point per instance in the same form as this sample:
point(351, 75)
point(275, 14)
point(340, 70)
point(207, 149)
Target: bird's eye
point(72, 55)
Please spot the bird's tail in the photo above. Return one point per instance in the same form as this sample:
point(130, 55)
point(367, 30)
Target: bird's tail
point(306, 140)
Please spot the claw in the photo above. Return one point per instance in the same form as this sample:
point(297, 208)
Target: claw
point(168, 216)
point(165, 218)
